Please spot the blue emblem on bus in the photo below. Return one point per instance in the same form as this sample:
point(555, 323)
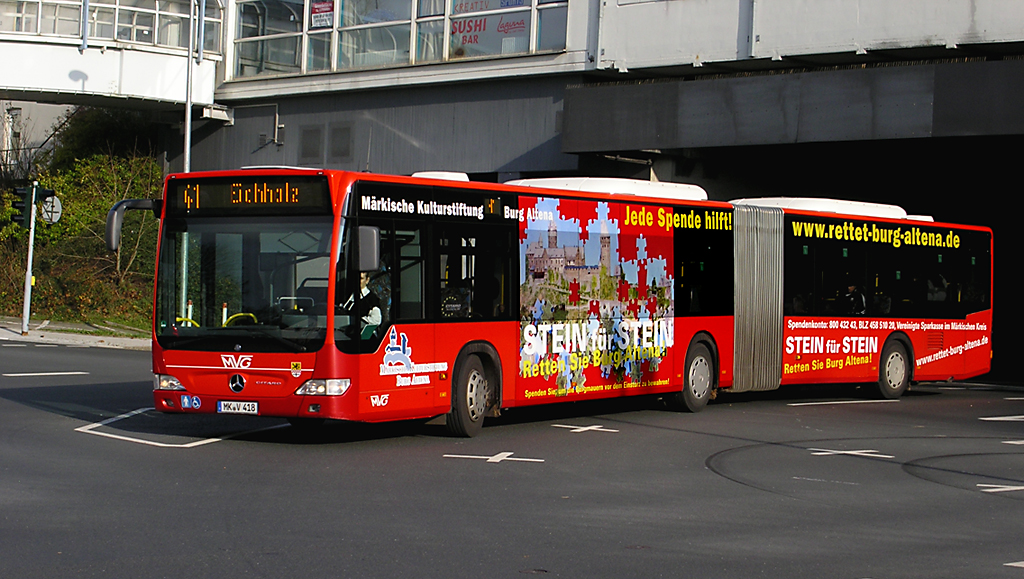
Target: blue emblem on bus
point(396, 354)
point(186, 402)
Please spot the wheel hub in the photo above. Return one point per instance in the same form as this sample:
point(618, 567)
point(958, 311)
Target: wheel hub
point(700, 377)
point(895, 370)
point(476, 395)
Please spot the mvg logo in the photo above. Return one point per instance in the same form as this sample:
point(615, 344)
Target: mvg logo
point(379, 399)
point(240, 361)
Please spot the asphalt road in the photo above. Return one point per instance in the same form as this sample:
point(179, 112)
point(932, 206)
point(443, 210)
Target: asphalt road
point(783, 484)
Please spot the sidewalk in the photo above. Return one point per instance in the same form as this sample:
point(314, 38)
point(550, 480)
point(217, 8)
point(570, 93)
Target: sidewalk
point(76, 334)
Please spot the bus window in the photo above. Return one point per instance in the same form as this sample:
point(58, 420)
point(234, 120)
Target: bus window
point(704, 270)
point(363, 308)
point(841, 285)
point(457, 255)
point(474, 272)
point(976, 277)
point(411, 271)
point(798, 288)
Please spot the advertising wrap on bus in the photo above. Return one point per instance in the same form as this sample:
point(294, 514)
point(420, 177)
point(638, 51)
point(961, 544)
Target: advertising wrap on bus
point(817, 351)
point(851, 284)
point(597, 295)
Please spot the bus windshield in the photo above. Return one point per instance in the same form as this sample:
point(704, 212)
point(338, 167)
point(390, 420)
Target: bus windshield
point(254, 284)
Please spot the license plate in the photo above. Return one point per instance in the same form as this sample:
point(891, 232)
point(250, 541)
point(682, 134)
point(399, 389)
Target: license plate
point(231, 407)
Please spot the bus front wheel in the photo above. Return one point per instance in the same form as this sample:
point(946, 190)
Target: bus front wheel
point(471, 396)
point(894, 371)
point(699, 378)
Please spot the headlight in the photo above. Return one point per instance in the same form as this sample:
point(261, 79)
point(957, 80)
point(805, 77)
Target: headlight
point(166, 382)
point(333, 387)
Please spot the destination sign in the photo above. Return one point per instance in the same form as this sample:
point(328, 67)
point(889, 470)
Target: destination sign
point(257, 195)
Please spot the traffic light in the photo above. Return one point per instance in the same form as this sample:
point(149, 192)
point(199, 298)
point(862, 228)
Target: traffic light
point(21, 205)
point(23, 198)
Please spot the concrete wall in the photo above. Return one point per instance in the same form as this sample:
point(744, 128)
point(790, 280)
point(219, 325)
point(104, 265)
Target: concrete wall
point(794, 27)
point(58, 72)
point(643, 33)
point(499, 126)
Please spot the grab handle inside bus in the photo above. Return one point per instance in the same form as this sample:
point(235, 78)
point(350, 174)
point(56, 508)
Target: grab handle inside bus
point(115, 217)
point(369, 248)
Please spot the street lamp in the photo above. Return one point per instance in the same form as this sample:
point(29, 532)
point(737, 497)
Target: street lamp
point(196, 28)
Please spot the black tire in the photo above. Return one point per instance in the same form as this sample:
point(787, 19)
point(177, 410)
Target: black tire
point(471, 399)
point(893, 371)
point(698, 379)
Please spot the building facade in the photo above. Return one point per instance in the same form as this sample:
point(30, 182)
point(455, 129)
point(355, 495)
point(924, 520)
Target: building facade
point(912, 102)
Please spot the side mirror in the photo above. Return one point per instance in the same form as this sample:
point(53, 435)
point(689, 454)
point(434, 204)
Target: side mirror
point(115, 217)
point(369, 248)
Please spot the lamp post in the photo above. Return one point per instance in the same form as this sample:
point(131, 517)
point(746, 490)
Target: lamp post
point(188, 84)
point(30, 206)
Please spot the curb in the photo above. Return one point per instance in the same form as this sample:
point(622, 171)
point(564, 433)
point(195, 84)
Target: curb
point(56, 337)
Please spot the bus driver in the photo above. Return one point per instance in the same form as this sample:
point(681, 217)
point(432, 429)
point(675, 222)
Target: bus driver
point(368, 308)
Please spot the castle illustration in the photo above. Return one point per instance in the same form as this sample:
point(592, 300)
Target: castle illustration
point(567, 262)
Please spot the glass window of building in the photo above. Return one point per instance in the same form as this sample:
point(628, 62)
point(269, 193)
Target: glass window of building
point(278, 37)
point(61, 19)
point(153, 22)
point(269, 38)
point(102, 16)
point(553, 19)
point(18, 16)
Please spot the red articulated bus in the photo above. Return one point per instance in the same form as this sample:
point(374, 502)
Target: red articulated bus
point(316, 294)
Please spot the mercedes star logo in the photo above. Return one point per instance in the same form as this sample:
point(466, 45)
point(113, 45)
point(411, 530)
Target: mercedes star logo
point(236, 382)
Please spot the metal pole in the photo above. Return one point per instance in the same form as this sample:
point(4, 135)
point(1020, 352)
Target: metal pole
point(188, 147)
point(85, 26)
point(201, 32)
point(188, 84)
point(26, 309)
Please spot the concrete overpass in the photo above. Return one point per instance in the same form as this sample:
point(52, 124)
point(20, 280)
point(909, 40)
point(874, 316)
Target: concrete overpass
point(131, 57)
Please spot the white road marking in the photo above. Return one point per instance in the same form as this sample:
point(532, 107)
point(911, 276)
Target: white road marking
point(1014, 398)
point(46, 345)
point(1017, 442)
point(31, 374)
point(1018, 564)
point(14, 345)
point(500, 457)
point(1018, 418)
point(90, 429)
point(999, 488)
point(593, 428)
point(838, 482)
point(865, 453)
point(840, 402)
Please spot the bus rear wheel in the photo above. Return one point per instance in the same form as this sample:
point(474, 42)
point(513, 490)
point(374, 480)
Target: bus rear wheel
point(698, 380)
point(894, 371)
point(471, 395)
